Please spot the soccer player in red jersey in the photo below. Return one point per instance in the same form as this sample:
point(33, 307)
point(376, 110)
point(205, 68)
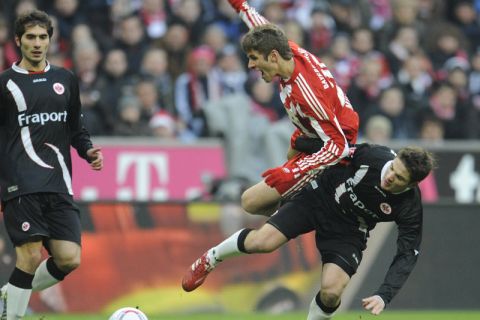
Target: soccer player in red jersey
point(314, 102)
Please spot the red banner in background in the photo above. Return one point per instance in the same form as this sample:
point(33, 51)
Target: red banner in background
point(148, 172)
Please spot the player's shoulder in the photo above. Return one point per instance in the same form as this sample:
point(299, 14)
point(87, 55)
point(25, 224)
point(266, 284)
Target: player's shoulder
point(60, 70)
point(367, 153)
point(6, 74)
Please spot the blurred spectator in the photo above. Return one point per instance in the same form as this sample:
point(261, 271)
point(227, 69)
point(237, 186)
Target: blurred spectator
point(445, 42)
point(163, 126)
point(367, 86)
point(231, 71)
point(111, 82)
point(294, 32)
point(242, 120)
point(415, 79)
point(405, 13)
point(86, 59)
point(467, 19)
point(68, 15)
point(7, 46)
point(458, 119)
point(215, 37)
point(129, 121)
point(431, 129)
point(403, 46)
point(147, 95)
point(350, 14)
point(198, 85)
point(345, 63)
point(189, 14)
point(378, 129)
point(176, 43)
point(391, 104)
point(154, 17)
point(155, 66)
point(132, 40)
point(322, 30)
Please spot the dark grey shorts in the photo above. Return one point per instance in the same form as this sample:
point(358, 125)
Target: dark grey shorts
point(337, 240)
point(42, 216)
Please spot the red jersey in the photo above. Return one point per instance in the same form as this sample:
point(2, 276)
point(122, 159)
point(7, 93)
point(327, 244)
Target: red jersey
point(314, 102)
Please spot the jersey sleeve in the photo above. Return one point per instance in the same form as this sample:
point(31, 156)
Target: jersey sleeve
point(80, 138)
point(335, 143)
point(250, 16)
point(408, 245)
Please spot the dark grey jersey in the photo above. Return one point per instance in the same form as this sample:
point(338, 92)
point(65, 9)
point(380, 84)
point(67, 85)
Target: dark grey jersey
point(354, 194)
point(40, 118)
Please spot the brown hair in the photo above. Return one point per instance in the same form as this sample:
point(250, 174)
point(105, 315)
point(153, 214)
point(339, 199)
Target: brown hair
point(265, 39)
point(31, 19)
point(418, 161)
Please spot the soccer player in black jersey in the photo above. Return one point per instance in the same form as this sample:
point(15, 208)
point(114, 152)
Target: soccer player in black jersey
point(342, 205)
point(40, 119)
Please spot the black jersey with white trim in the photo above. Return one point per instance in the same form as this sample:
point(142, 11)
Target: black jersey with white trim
point(354, 193)
point(40, 118)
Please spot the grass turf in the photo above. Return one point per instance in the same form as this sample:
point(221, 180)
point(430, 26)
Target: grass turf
point(355, 315)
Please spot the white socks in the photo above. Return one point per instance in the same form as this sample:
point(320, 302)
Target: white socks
point(43, 279)
point(315, 313)
point(17, 301)
point(226, 249)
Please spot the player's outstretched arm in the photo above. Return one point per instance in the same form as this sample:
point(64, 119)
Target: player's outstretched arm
point(248, 14)
point(374, 304)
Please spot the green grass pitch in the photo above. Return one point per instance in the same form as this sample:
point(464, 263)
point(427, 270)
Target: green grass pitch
point(356, 315)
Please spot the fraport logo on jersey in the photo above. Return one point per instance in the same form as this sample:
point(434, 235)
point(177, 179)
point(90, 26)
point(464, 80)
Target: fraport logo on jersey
point(41, 118)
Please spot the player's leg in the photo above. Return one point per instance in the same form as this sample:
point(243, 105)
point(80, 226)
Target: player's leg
point(19, 287)
point(261, 199)
point(291, 220)
point(341, 258)
point(327, 300)
point(26, 228)
point(63, 218)
point(245, 241)
point(65, 257)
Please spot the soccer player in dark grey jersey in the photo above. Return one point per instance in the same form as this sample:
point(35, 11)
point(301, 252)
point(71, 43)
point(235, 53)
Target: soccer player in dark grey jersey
point(40, 119)
point(342, 205)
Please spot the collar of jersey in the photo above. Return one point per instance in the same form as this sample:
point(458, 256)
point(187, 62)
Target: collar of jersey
point(18, 69)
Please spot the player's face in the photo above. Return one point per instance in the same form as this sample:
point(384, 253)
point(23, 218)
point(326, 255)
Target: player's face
point(397, 177)
point(34, 46)
point(256, 61)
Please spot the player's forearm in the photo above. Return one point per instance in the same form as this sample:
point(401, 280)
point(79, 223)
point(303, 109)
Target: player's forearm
point(329, 155)
point(248, 14)
point(396, 277)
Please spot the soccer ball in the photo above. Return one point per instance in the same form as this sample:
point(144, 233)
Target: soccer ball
point(128, 313)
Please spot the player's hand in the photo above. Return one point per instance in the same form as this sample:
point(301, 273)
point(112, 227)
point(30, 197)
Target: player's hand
point(96, 158)
point(374, 303)
point(279, 175)
point(238, 4)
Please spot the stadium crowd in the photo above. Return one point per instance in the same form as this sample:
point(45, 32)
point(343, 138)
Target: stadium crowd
point(173, 69)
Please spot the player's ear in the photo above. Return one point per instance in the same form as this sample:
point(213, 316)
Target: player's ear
point(17, 41)
point(274, 55)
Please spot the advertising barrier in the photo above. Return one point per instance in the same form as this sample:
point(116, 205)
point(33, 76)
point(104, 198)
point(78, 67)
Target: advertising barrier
point(143, 171)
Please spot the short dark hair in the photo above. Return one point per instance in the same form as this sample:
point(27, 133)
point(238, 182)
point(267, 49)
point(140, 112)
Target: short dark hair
point(31, 19)
point(418, 161)
point(266, 38)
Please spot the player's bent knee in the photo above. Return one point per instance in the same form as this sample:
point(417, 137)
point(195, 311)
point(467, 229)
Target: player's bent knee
point(329, 298)
point(68, 263)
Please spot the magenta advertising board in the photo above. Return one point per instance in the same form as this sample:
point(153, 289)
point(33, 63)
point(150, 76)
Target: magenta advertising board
point(148, 172)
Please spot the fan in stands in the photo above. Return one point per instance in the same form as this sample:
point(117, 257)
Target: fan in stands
point(128, 313)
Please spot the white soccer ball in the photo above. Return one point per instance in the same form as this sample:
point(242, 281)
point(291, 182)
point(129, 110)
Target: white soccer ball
point(128, 313)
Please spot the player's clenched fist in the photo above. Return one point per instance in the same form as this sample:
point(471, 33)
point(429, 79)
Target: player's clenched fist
point(279, 175)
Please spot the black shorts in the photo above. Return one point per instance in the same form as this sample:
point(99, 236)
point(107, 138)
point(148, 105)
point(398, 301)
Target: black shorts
point(338, 241)
point(42, 216)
